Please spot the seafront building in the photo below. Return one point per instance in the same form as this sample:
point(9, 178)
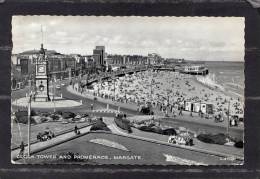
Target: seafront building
point(99, 57)
point(62, 66)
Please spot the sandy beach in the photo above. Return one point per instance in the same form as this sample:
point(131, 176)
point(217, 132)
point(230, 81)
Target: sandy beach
point(166, 88)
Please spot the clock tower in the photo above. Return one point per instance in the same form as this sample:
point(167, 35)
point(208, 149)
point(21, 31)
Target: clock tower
point(41, 77)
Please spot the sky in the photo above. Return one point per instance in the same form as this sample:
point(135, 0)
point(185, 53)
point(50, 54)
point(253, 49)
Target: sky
point(191, 38)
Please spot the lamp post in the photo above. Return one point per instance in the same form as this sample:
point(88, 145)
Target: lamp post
point(29, 83)
point(200, 112)
point(53, 95)
point(228, 117)
point(114, 89)
point(168, 97)
point(29, 124)
point(125, 96)
point(151, 86)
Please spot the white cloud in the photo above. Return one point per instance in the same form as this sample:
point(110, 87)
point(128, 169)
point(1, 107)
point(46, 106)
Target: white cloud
point(181, 37)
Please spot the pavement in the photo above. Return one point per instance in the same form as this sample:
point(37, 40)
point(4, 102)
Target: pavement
point(69, 93)
point(103, 100)
point(57, 103)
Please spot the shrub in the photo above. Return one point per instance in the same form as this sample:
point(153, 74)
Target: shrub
point(45, 114)
point(22, 117)
point(95, 127)
point(157, 130)
point(213, 138)
point(239, 144)
point(146, 110)
point(20, 114)
point(43, 119)
point(55, 117)
point(58, 113)
point(169, 131)
point(99, 125)
point(67, 115)
point(145, 128)
point(123, 124)
point(85, 115)
point(33, 113)
point(151, 125)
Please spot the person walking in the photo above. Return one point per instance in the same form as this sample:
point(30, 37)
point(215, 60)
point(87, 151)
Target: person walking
point(21, 148)
point(76, 129)
point(180, 112)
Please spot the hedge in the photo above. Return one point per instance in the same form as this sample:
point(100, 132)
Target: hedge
point(158, 130)
point(99, 125)
point(169, 131)
point(123, 124)
point(239, 144)
point(154, 129)
point(213, 138)
point(22, 117)
point(67, 115)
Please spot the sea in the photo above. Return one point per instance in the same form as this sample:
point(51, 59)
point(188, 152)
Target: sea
point(230, 75)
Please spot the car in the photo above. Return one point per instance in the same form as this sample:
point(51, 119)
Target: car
point(46, 135)
point(180, 140)
point(82, 119)
point(77, 116)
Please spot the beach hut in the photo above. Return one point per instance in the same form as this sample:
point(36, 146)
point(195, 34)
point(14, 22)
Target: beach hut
point(205, 108)
point(196, 107)
point(209, 108)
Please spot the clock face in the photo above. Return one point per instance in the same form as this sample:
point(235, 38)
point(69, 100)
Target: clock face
point(41, 69)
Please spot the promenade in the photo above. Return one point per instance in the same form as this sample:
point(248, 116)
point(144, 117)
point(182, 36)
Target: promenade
point(132, 107)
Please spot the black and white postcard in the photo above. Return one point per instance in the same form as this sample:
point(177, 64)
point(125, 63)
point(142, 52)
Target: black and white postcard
point(127, 90)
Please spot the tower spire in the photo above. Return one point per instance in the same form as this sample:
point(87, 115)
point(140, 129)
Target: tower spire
point(42, 49)
point(41, 34)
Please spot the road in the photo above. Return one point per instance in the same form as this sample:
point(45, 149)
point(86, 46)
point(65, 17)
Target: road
point(96, 104)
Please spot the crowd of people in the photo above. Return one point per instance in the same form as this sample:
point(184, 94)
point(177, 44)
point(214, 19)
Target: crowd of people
point(165, 91)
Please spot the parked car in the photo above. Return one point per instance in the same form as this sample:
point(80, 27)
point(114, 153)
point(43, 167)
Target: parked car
point(180, 140)
point(46, 135)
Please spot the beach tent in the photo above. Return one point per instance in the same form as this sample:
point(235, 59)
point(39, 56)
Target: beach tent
point(188, 106)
